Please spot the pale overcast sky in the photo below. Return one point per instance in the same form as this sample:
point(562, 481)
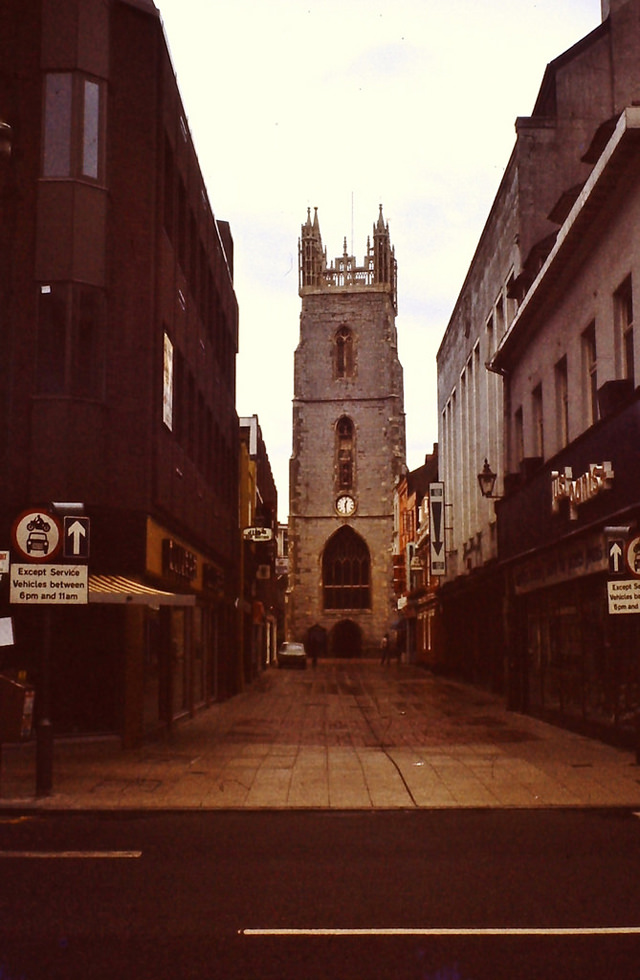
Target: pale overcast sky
point(344, 105)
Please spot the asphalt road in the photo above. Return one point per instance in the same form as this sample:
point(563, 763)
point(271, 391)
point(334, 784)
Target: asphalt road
point(431, 895)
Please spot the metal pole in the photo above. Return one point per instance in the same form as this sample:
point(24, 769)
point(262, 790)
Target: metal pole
point(44, 730)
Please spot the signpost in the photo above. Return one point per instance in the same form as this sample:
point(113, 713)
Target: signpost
point(623, 594)
point(436, 529)
point(39, 537)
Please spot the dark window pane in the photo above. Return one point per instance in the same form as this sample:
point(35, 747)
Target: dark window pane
point(52, 331)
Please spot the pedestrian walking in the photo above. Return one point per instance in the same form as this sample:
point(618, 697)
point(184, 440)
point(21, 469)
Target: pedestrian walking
point(384, 647)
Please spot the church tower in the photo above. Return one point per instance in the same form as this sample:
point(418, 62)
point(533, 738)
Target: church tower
point(348, 447)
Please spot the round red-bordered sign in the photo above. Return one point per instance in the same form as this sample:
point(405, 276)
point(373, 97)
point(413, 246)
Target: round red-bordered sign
point(37, 536)
point(632, 555)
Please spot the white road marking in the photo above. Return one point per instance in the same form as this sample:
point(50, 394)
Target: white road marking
point(83, 855)
point(499, 931)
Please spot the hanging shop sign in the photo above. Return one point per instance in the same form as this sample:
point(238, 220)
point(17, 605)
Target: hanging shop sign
point(257, 534)
point(583, 488)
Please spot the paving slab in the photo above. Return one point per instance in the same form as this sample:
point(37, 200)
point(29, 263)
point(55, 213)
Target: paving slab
point(348, 734)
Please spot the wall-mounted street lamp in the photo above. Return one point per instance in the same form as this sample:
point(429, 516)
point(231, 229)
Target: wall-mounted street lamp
point(487, 481)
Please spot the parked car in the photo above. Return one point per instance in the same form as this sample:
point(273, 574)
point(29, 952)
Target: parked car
point(292, 655)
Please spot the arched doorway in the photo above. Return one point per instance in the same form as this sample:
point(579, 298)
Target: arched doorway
point(346, 639)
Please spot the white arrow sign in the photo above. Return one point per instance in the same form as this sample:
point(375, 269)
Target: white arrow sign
point(76, 532)
point(76, 537)
point(615, 557)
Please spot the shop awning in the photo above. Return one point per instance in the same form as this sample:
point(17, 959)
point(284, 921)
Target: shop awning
point(117, 588)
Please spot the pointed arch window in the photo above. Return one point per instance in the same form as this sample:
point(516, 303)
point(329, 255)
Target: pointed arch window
point(344, 453)
point(344, 353)
point(346, 566)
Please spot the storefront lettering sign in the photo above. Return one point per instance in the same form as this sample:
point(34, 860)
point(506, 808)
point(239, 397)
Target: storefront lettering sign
point(178, 560)
point(561, 565)
point(580, 490)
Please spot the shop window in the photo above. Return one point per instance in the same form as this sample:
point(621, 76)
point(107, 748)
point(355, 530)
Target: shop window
point(345, 572)
point(73, 111)
point(71, 338)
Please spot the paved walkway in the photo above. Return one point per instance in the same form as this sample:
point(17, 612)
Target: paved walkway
point(346, 735)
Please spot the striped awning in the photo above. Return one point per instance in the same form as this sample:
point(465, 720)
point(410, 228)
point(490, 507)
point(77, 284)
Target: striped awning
point(117, 588)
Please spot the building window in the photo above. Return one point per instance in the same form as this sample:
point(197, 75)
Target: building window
point(57, 126)
point(562, 401)
point(179, 397)
point(518, 437)
point(167, 383)
point(71, 338)
point(344, 353)
point(623, 313)
point(90, 129)
point(344, 453)
point(538, 422)
point(345, 572)
point(590, 373)
point(169, 183)
point(72, 126)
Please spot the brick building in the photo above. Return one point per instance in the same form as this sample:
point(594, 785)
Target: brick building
point(118, 339)
point(348, 445)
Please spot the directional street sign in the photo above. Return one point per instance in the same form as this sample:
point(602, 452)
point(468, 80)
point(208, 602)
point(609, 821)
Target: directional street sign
point(617, 565)
point(76, 538)
point(436, 529)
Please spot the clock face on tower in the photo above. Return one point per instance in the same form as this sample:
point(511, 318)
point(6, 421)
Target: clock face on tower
point(345, 505)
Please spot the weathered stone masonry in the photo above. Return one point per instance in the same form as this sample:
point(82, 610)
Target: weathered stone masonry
point(348, 445)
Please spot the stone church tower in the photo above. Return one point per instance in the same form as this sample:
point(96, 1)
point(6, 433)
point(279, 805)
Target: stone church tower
point(348, 445)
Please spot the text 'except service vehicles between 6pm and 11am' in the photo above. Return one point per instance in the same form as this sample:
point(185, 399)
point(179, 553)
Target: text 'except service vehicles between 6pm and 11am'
point(49, 584)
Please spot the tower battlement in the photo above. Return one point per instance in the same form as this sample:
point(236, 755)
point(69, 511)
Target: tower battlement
point(378, 270)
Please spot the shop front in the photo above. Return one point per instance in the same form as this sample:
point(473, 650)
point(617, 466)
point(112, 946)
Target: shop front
point(152, 644)
point(566, 543)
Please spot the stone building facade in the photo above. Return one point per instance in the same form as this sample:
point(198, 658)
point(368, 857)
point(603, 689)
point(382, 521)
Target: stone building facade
point(581, 95)
point(348, 446)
